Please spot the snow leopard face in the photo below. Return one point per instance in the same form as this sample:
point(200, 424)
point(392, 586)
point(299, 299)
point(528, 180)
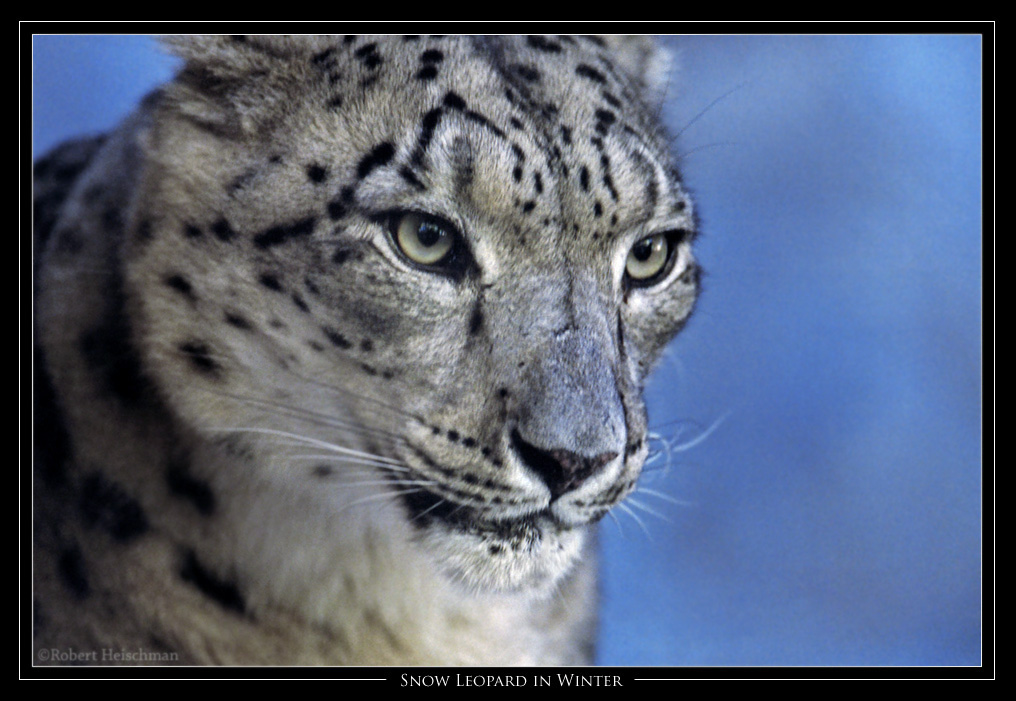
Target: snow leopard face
point(442, 266)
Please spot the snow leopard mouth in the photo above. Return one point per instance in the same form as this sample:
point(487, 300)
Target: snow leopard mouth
point(488, 551)
point(426, 507)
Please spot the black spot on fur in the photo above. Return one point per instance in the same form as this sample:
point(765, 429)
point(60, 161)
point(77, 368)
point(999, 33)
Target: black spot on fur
point(222, 230)
point(238, 321)
point(611, 100)
point(270, 281)
point(454, 101)
point(200, 357)
point(431, 56)
point(224, 593)
point(182, 484)
point(321, 471)
point(584, 178)
point(300, 304)
point(427, 73)
point(517, 174)
point(71, 569)
point(476, 319)
point(544, 44)
point(527, 73)
point(410, 177)
point(323, 57)
point(336, 209)
point(587, 71)
point(278, 235)
point(366, 345)
point(380, 156)
point(336, 338)
point(368, 56)
point(317, 173)
point(191, 231)
point(180, 284)
point(334, 103)
point(427, 126)
point(107, 505)
point(528, 206)
point(606, 116)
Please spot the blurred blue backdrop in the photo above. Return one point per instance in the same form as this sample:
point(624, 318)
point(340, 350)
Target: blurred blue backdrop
point(833, 517)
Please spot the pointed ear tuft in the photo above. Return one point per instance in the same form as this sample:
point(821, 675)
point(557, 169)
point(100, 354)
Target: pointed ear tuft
point(230, 83)
point(242, 54)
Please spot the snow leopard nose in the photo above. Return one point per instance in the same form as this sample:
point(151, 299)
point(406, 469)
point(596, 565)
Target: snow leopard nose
point(569, 419)
point(561, 470)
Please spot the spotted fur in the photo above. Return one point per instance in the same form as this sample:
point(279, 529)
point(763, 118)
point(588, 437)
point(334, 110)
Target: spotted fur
point(266, 434)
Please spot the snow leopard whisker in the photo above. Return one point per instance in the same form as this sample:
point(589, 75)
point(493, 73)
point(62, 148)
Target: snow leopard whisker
point(642, 507)
point(655, 455)
point(388, 496)
point(624, 507)
point(440, 502)
point(350, 461)
point(702, 436)
point(381, 483)
point(374, 460)
point(353, 454)
point(716, 144)
point(704, 110)
point(660, 495)
point(311, 417)
point(305, 439)
point(346, 393)
point(617, 522)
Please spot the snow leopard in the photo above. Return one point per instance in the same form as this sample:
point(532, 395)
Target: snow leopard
point(340, 350)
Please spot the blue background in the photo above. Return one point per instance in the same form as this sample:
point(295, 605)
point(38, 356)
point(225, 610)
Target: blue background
point(834, 516)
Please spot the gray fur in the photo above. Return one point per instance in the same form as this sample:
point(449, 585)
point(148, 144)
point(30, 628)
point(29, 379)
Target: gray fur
point(271, 437)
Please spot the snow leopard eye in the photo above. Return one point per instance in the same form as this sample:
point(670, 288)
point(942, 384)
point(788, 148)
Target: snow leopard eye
point(423, 239)
point(649, 260)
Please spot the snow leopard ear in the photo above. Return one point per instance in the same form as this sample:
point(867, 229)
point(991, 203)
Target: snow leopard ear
point(231, 83)
point(241, 55)
point(644, 61)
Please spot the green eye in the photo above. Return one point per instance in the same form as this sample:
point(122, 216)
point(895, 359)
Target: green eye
point(647, 260)
point(424, 240)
